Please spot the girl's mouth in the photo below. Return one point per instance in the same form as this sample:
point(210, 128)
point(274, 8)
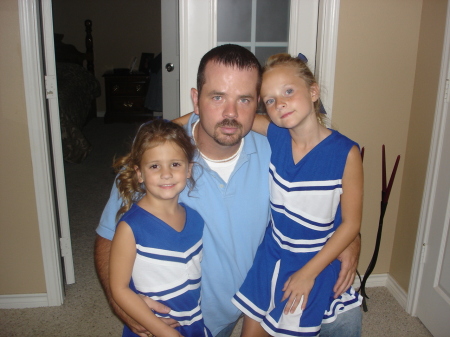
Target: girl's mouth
point(287, 114)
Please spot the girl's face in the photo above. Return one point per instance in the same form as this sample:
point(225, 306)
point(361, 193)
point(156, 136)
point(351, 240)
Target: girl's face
point(288, 99)
point(164, 170)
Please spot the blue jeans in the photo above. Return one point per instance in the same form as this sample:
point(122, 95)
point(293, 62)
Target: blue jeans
point(348, 324)
point(228, 330)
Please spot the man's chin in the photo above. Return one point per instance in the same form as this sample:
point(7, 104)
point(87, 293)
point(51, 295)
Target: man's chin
point(228, 140)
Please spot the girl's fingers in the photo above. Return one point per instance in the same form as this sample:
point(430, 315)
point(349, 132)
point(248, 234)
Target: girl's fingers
point(286, 295)
point(286, 284)
point(288, 306)
point(304, 301)
point(293, 303)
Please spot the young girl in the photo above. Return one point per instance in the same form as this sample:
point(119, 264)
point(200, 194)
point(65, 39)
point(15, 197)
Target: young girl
point(157, 247)
point(316, 190)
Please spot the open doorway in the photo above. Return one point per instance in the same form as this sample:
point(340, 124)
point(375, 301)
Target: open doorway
point(122, 33)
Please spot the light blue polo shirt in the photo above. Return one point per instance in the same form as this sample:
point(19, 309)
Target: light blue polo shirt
point(236, 215)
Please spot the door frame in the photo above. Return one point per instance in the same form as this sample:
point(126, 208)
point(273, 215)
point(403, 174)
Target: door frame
point(196, 41)
point(431, 180)
point(33, 75)
point(190, 52)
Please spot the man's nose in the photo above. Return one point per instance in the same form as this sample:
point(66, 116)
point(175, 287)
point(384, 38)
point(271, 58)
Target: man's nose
point(230, 111)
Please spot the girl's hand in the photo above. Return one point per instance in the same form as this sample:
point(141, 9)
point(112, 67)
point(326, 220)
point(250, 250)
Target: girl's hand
point(297, 289)
point(160, 308)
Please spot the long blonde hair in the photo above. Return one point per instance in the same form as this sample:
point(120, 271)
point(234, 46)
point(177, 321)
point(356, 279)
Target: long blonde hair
point(302, 70)
point(149, 135)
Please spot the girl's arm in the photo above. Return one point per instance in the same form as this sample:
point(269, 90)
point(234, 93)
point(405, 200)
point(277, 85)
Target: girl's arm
point(123, 255)
point(183, 120)
point(302, 281)
point(261, 124)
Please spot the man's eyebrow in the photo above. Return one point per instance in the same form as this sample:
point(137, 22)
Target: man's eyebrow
point(247, 96)
point(221, 93)
point(214, 93)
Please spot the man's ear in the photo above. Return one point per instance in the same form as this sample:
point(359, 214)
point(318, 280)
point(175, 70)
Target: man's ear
point(194, 97)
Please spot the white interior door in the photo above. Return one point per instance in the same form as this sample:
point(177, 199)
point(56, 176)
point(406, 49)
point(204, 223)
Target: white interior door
point(434, 296)
point(170, 47)
point(430, 280)
point(55, 136)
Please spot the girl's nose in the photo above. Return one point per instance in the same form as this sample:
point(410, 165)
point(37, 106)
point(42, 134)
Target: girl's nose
point(281, 104)
point(166, 173)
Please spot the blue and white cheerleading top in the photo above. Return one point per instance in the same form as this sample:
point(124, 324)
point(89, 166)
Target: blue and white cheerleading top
point(305, 212)
point(167, 267)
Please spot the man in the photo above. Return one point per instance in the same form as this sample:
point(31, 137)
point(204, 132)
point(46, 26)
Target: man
point(232, 190)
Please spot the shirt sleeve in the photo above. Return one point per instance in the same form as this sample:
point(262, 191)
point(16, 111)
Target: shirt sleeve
point(107, 226)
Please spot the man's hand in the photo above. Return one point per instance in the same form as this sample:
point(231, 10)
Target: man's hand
point(101, 253)
point(349, 262)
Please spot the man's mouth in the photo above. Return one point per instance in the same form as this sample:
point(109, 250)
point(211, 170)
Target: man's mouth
point(229, 126)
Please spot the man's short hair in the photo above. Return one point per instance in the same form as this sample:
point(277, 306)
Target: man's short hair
point(231, 55)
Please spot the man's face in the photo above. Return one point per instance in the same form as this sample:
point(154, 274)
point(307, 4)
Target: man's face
point(227, 104)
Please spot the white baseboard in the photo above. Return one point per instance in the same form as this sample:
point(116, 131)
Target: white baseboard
point(23, 301)
point(399, 294)
point(377, 280)
point(385, 280)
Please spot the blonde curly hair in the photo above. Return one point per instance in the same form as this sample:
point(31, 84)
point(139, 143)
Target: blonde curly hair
point(149, 135)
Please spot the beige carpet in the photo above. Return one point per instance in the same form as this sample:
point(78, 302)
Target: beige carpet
point(85, 311)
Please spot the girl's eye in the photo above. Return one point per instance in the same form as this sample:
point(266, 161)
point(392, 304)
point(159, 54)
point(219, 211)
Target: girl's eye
point(269, 101)
point(289, 91)
point(176, 164)
point(154, 167)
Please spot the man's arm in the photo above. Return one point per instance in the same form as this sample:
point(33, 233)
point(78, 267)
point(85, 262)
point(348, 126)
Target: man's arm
point(349, 262)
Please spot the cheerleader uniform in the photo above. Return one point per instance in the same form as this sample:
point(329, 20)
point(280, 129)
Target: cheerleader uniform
point(305, 212)
point(167, 267)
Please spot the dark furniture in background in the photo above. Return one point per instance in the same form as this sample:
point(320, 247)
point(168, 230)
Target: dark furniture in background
point(125, 97)
point(77, 90)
